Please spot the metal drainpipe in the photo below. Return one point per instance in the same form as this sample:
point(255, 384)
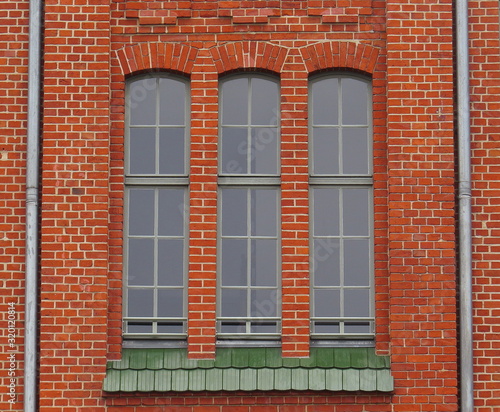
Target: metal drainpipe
point(32, 177)
point(464, 205)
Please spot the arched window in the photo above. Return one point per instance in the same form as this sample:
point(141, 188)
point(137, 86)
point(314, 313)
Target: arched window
point(156, 199)
point(249, 204)
point(341, 216)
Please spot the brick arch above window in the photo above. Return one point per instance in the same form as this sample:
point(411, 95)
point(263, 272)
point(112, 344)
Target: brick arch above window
point(251, 55)
point(349, 55)
point(147, 56)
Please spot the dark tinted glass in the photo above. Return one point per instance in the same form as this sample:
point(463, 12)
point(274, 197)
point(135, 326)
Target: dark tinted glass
point(234, 269)
point(357, 302)
point(355, 151)
point(235, 101)
point(354, 102)
point(142, 151)
point(325, 99)
point(264, 262)
point(170, 302)
point(141, 207)
point(235, 150)
point(142, 101)
point(171, 211)
point(264, 95)
point(263, 212)
point(140, 262)
point(326, 211)
point(172, 151)
point(234, 212)
point(170, 262)
point(140, 302)
point(325, 156)
point(234, 303)
point(172, 101)
point(326, 303)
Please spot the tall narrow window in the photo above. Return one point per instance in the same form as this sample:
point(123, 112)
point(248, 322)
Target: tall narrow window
point(156, 198)
point(249, 224)
point(341, 207)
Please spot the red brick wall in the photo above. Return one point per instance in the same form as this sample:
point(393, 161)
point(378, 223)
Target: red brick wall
point(75, 204)
point(206, 58)
point(254, 402)
point(91, 46)
point(13, 107)
point(485, 135)
point(421, 205)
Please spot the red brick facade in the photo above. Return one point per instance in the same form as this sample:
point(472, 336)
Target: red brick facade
point(407, 48)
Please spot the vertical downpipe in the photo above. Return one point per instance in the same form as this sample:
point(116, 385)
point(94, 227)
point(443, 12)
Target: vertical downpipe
point(32, 178)
point(464, 205)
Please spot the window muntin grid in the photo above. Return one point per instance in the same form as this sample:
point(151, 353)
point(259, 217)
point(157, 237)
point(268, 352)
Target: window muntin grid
point(249, 302)
point(156, 207)
point(249, 126)
point(341, 215)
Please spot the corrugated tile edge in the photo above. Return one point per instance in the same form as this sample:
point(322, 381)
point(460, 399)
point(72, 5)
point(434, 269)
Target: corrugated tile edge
point(249, 369)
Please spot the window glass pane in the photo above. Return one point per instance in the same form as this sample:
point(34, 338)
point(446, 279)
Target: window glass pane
point(140, 302)
point(354, 102)
point(326, 303)
point(171, 210)
point(172, 150)
point(326, 211)
point(265, 96)
point(170, 327)
point(357, 262)
point(235, 101)
point(141, 212)
point(233, 327)
point(234, 212)
point(264, 209)
point(356, 212)
point(170, 262)
point(355, 151)
point(357, 327)
point(140, 262)
point(170, 303)
point(142, 101)
point(235, 149)
point(326, 327)
point(326, 262)
point(264, 327)
point(172, 102)
point(234, 303)
point(264, 303)
point(234, 262)
point(325, 102)
point(264, 257)
point(356, 303)
point(142, 150)
point(325, 150)
point(139, 327)
point(264, 150)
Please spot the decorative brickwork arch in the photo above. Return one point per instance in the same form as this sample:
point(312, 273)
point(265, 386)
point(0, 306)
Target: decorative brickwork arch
point(350, 55)
point(145, 56)
point(232, 56)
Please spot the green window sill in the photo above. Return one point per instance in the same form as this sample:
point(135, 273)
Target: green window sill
point(249, 369)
